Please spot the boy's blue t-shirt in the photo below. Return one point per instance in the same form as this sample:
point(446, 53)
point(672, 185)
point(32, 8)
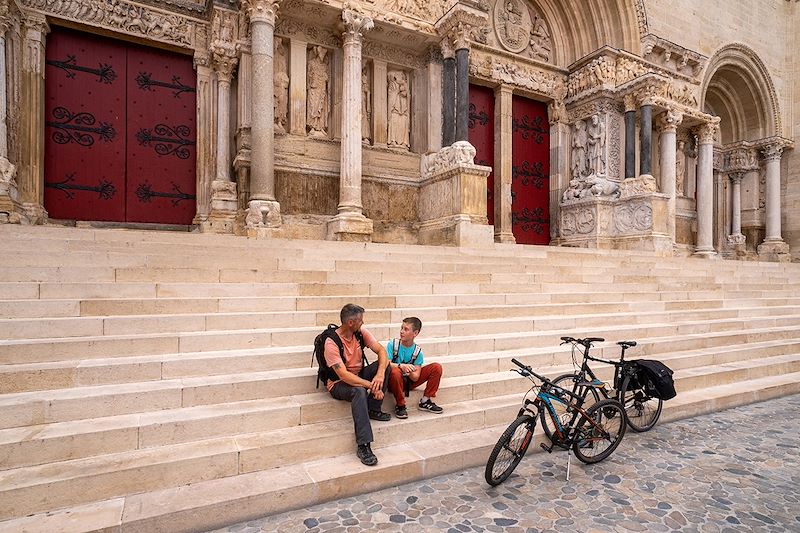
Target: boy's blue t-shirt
point(404, 354)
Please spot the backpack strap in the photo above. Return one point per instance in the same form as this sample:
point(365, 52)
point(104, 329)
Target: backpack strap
point(414, 356)
point(360, 337)
point(331, 334)
point(395, 350)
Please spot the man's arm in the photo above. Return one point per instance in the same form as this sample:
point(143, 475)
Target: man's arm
point(350, 378)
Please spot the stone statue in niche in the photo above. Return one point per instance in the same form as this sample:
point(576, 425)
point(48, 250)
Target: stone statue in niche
point(366, 106)
point(680, 168)
point(579, 144)
point(280, 83)
point(317, 102)
point(597, 145)
point(541, 47)
point(398, 135)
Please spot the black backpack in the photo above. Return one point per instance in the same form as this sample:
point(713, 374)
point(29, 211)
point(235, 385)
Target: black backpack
point(325, 373)
point(656, 378)
point(396, 357)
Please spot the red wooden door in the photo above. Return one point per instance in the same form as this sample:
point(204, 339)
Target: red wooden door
point(120, 131)
point(161, 136)
point(481, 136)
point(84, 165)
point(530, 172)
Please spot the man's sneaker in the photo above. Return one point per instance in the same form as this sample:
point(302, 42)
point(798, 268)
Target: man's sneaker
point(364, 453)
point(380, 416)
point(400, 411)
point(429, 406)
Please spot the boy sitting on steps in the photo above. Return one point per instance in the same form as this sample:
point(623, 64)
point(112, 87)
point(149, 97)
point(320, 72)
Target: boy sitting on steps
point(408, 372)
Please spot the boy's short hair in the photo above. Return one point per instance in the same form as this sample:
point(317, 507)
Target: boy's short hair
point(350, 311)
point(414, 322)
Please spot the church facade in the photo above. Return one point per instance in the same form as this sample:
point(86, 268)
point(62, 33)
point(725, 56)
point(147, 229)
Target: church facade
point(619, 124)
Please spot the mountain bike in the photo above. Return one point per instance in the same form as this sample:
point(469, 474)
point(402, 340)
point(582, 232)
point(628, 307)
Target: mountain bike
point(592, 434)
point(631, 389)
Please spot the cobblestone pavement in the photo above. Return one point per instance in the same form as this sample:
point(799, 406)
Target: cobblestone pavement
point(737, 470)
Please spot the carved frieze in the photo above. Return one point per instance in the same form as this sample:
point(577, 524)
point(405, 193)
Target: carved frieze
point(126, 17)
point(392, 54)
point(598, 74)
point(289, 27)
point(503, 70)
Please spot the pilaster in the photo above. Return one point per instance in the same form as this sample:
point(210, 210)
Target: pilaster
point(503, 132)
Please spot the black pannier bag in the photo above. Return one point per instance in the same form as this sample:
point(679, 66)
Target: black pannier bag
point(656, 377)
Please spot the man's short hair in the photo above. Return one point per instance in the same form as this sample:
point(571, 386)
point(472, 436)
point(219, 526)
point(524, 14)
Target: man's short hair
point(414, 322)
point(349, 312)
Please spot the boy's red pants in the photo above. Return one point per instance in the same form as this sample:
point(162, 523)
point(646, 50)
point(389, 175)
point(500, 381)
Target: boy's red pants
point(431, 373)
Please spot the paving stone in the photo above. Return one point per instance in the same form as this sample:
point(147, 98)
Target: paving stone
point(719, 473)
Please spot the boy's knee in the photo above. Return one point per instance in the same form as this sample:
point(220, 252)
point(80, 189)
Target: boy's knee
point(436, 368)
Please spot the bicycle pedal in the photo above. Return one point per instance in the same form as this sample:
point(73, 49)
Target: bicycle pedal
point(545, 447)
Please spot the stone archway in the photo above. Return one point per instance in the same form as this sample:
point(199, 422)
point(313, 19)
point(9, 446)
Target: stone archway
point(738, 89)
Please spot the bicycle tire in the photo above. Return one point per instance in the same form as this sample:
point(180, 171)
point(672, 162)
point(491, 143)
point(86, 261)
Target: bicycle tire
point(589, 446)
point(642, 411)
point(509, 450)
point(571, 384)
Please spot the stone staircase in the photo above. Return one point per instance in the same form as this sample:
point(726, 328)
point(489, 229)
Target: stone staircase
point(160, 381)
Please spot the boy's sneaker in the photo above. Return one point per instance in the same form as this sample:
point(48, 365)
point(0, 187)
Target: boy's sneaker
point(364, 453)
point(380, 416)
point(400, 411)
point(429, 406)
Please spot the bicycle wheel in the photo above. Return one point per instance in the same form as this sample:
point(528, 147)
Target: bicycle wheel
point(597, 439)
point(569, 382)
point(510, 449)
point(641, 410)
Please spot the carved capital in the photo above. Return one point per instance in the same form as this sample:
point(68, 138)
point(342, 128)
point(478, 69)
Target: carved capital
point(5, 17)
point(669, 121)
point(707, 132)
point(355, 24)
point(459, 23)
point(36, 25)
point(262, 10)
point(647, 94)
point(448, 52)
point(224, 64)
point(772, 152)
point(630, 102)
point(736, 177)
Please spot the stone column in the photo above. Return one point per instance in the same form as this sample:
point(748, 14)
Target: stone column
point(223, 188)
point(448, 92)
point(263, 208)
point(350, 222)
point(668, 127)
point(705, 190)
point(8, 184)
point(462, 87)
point(773, 248)
point(206, 159)
point(630, 136)
point(31, 163)
point(435, 102)
point(645, 138)
point(736, 236)
point(503, 97)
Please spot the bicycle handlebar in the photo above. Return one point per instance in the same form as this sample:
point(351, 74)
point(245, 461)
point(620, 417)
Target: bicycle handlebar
point(587, 342)
point(529, 370)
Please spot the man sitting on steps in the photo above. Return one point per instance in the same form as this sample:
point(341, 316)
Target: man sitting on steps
point(408, 371)
point(364, 387)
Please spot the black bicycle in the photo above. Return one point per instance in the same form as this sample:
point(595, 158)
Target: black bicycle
point(593, 433)
point(631, 388)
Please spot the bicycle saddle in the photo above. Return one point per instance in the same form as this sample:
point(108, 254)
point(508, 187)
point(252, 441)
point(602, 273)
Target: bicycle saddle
point(627, 344)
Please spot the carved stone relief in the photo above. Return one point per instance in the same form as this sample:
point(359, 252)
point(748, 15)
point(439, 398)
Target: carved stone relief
point(125, 17)
point(578, 221)
point(680, 168)
point(596, 130)
point(633, 217)
point(280, 83)
point(318, 102)
point(289, 27)
point(599, 73)
point(399, 98)
point(529, 77)
point(366, 106)
point(512, 23)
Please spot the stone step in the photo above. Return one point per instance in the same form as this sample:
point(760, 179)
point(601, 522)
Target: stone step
point(77, 403)
point(220, 501)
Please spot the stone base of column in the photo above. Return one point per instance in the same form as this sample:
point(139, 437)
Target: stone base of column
point(706, 254)
point(505, 237)
point(349, 227)
point(261, 214)
point(11, 211)
point(222, 218)
point(456, 230)
point(775, 251)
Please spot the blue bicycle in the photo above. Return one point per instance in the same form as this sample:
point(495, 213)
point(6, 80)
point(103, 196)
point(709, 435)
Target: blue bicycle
point(593, 433)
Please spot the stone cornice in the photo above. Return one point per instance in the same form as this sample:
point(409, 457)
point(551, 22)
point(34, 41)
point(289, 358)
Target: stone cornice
point(671, 56)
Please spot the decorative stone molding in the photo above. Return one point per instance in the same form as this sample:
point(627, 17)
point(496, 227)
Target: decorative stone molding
point(672, 56)
point(580, 221)
point(392, 54)
point(125, 17)
point(633, 217)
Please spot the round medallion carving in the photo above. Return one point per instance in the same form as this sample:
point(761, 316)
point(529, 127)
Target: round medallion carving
point(512, 24)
